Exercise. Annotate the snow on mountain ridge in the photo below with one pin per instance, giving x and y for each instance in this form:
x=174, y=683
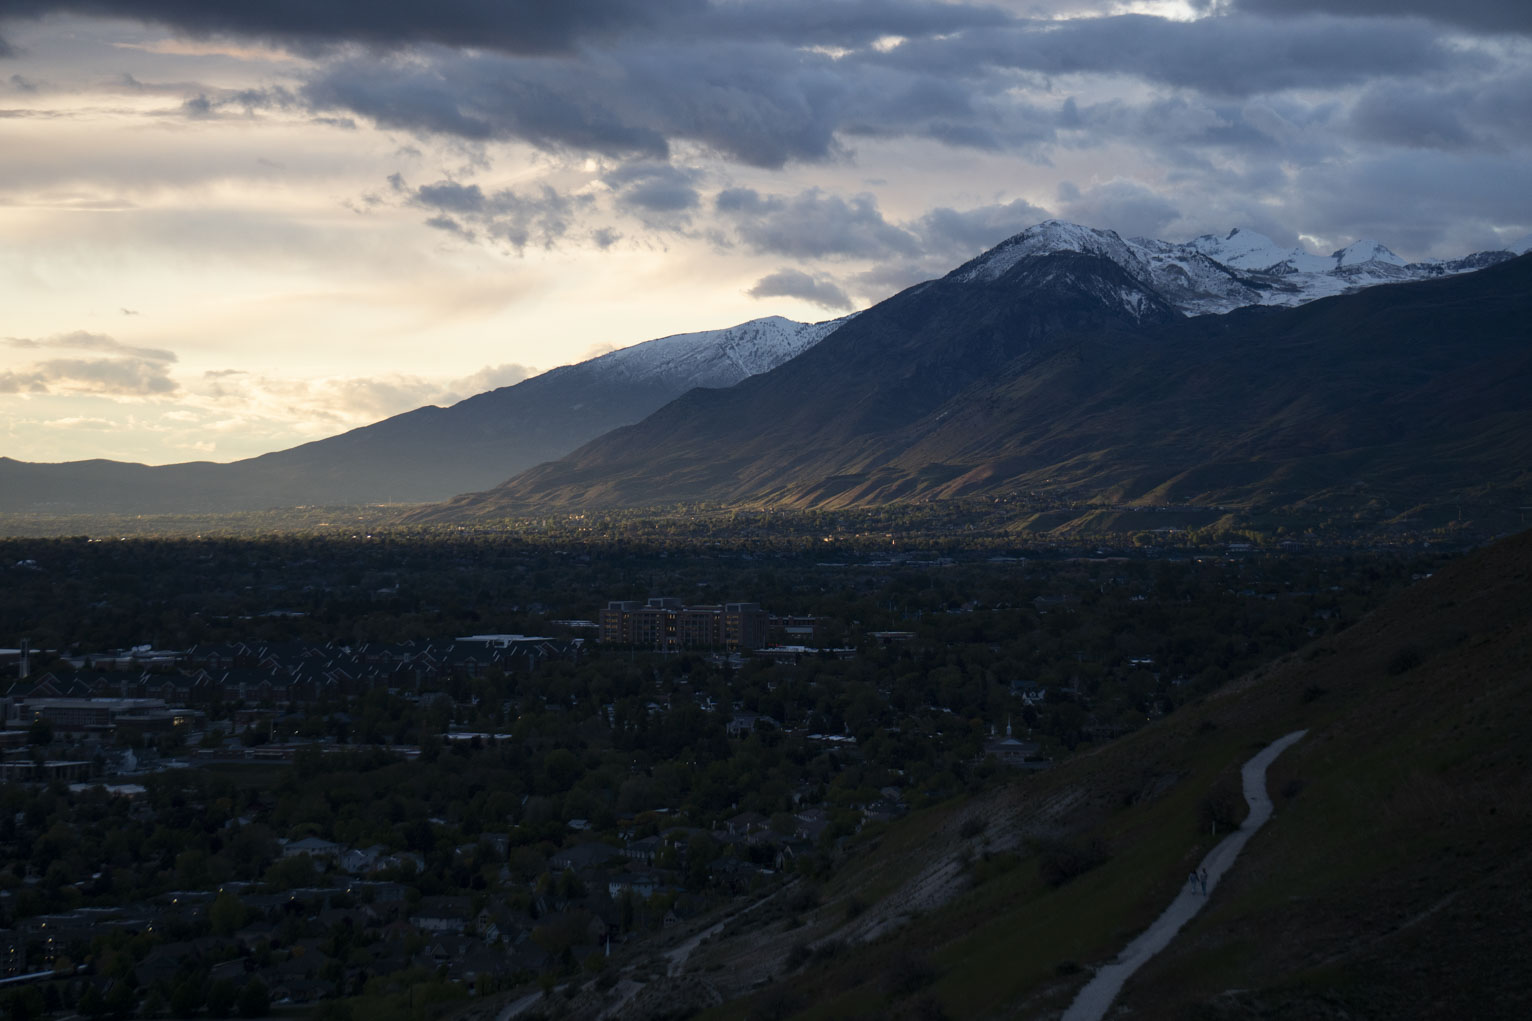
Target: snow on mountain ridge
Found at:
x=1046, y=238
x=1360, y=252
x=713, y=358
x=1212, y=274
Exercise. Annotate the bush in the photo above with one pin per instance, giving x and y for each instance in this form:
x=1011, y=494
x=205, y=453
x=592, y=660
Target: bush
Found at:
x=972, y=827
x=1222, y=808
x=1059, y=861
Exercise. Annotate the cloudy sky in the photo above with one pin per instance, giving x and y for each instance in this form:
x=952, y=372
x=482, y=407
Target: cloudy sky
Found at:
x=228, y=227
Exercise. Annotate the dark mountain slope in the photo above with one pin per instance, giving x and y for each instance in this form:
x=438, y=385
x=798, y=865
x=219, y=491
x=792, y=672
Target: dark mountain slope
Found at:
x=853, y=402
x=1048, y=378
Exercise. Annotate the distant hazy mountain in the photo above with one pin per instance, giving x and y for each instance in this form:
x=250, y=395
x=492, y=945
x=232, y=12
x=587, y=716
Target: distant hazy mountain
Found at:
x=1062, y=361
x=430, y=453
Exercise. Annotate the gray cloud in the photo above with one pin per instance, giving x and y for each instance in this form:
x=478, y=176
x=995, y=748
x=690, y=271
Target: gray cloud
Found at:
x=793, y=283
x=959, y=235
x=815, y=225
x=534, y=28
x=1451, y=200
x=80, y=340
x=844, y=23
x=1490, y=115
x=1236, y=56
x=1477, y=15
x=516, y=219
x=655, y=192
x=1127, y=207
x=1397, y=118
x=123, y=377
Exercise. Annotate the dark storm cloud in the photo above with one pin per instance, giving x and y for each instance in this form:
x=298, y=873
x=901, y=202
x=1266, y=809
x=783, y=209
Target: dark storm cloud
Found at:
x=553, y=105
x=763, y=105
x=793, y=283
x=1219, y=55
x=1477, y=15
x=529, y=26
x=533, y=27
x=515, y=219
x=768, y=104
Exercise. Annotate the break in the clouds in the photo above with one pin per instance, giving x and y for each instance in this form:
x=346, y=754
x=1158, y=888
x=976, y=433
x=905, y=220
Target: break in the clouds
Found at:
x=361, y=204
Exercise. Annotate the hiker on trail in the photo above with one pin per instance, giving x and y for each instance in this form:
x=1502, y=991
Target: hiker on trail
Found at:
x=1203, y=876
x=1192, y=879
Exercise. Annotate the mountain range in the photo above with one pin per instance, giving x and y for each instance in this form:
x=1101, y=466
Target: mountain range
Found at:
x=429, y=453
x=1063, y=362
x=1066, y=358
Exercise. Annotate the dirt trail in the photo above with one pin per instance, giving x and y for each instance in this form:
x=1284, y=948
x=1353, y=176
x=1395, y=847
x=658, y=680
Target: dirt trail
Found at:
x=1093, y=1001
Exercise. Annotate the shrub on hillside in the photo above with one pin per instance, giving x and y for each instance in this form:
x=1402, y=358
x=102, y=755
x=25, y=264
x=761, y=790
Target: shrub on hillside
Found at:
x=1059, y=861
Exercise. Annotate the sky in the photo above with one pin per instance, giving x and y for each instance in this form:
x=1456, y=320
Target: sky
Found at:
x=231, y=227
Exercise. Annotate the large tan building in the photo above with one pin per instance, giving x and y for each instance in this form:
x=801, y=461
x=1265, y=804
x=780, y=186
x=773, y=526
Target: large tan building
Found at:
x=666, y=624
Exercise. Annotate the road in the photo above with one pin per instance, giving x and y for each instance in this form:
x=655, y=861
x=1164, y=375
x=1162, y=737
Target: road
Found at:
x=1094, y=1000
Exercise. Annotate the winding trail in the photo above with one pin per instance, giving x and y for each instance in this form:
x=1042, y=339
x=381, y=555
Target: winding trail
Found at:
x=1092, y=1002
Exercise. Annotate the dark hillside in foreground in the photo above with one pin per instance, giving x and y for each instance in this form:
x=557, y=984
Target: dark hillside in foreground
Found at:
x=1392, y=882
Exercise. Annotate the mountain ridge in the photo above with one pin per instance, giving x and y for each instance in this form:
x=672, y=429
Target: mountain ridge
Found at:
x=985, y=383
x=431, y=452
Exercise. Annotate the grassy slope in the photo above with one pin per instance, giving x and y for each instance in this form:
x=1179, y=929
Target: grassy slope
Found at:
x=1391, y=881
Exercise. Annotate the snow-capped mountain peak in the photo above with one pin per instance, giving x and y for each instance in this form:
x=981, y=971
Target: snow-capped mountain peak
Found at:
x=714, y=358
x=1046, y=238
x=1360, y=252
x=1240, y=249
x=1218, y=273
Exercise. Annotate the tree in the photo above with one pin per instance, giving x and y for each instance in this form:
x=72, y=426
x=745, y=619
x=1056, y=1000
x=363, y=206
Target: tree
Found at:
x=221, y=997
x=227, y=914
x=254, y=999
